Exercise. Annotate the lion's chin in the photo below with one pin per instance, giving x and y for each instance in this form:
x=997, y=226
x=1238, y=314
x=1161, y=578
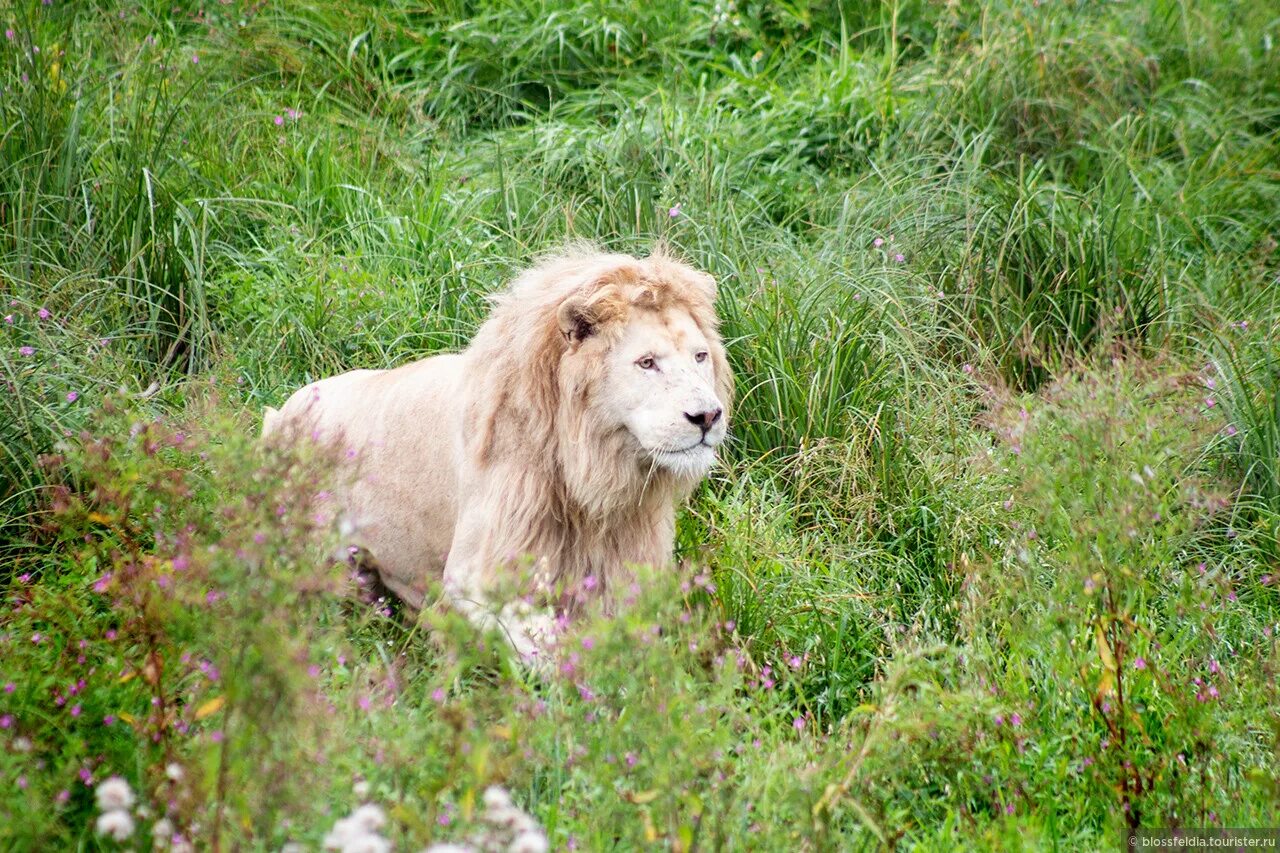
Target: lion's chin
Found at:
x=690, y=464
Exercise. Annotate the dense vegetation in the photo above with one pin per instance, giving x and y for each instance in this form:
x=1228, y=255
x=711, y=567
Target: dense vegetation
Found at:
x=992, y=559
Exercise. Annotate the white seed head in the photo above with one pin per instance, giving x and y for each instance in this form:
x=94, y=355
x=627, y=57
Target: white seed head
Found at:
x=115, y=823
x=114, y=794
x=496, y=798
x=368, y=843
x=369, y=817
x=174, y=771
x=161, y=829
x=529, y=842
x=361, y=789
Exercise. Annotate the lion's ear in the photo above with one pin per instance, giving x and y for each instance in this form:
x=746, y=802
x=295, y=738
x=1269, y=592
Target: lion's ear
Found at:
x=707, y=284
x=574, y=320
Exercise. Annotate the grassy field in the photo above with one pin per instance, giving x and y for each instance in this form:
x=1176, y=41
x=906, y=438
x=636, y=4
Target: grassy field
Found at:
x=992, y=560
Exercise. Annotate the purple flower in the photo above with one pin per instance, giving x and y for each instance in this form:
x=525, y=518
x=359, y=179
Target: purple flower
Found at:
x=27, y=350
x=798, y=724
x=877, y=242
x=1231, y=429
x=6, y=721
x=1015, y=720
x=588, y=643
x=72, y=396
x=675, y=211
x=968, y=368
x=8, y=318
x=9, y=687
x=1210, y=402
x=8, y=34
x=437, y=696
x=631, y=759
x=109, y=720
x=195, y=59
x=43, y=313
x=899, y=258
x=1140, y=663
x=75, y=710
x=37, y=638
x=279, y=120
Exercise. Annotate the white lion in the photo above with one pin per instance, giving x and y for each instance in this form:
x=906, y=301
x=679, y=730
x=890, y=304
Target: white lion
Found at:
x=592, y=399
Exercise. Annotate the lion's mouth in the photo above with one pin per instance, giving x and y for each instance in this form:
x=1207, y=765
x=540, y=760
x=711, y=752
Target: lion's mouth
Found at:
x=691, y=461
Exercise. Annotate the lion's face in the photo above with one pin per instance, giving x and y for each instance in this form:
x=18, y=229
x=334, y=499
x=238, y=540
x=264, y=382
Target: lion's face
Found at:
x=659, y=385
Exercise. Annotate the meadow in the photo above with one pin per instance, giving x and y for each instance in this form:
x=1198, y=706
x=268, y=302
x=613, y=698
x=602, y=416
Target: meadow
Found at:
x=991, y=561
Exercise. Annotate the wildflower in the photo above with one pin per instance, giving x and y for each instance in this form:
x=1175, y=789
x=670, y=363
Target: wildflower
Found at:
x=109, y=720
x=798, y=724
x=63, y=796
x=115, y=823
x=631, y=759
x=589, y=582
x=114, y=793
x=877, y=242
x=437, y=695
x=794, y=661
x=195, y=59
x=6, y=721
x=173, y=770
x=675, y=211
x=899, y=258
x=9, y=687
x=8, y=318
x=279, y=120
x=27, y=350
x=43, y=313
x=293, y=114
x=1015, y=720
x=968, y=368
x=1140, y=663
x=75, y=710
x=37, y=638
x=72, y=396
x=1231, y=430
x=9, y=34
x=1210, y=402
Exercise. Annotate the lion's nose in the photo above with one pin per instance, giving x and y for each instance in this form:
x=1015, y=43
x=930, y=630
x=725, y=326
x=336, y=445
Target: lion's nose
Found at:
x=706, y=419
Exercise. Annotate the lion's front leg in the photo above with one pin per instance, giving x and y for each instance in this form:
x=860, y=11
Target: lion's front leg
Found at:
x=477, y=591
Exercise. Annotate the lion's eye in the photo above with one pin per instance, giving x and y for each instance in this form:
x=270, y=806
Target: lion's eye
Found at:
x=647, y=363
x=701, y=357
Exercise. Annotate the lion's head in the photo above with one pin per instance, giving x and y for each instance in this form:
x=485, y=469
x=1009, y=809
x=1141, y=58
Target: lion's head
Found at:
x=611, y=369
